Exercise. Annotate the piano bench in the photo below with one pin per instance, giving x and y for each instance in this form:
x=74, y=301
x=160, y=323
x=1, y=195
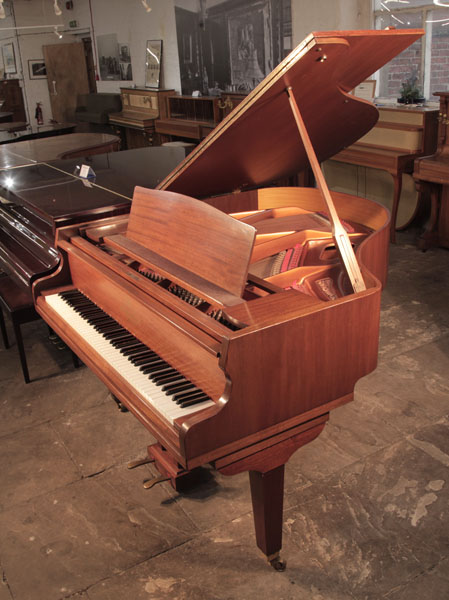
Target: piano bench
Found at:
x=18, y=304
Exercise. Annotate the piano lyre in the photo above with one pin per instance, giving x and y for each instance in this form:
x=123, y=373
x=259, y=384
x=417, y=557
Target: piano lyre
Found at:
x=183, y=310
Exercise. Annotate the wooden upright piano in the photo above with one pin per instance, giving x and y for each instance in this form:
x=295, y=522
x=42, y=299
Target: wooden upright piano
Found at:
x=401, y=134
x=232, y=336
x=432, y=174
x=140, y=108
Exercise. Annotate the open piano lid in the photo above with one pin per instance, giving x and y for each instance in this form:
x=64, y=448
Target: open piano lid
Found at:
x=259, y=142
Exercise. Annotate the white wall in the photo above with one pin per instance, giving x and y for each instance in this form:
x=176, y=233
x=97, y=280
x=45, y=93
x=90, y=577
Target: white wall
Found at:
x=329, y=15
x=134, y=26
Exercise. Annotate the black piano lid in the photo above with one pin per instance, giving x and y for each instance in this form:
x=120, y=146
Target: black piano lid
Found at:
x=120, y=172
x=259, y=143
x=56, y=197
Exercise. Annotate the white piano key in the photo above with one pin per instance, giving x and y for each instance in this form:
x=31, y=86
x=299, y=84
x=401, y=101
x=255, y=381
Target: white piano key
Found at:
x=153, y=395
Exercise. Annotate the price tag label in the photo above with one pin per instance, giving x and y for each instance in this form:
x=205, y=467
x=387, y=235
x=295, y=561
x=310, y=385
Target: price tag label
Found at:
x=84, y=171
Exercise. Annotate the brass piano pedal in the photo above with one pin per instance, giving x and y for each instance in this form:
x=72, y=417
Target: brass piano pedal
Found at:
x=276, y=562
x=149, y=483
x=139, y=462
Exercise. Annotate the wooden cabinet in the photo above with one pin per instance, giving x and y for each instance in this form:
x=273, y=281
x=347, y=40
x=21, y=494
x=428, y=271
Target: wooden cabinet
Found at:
x=189, y=117
x=194, y=117
x=135, y=122
x=11, y=95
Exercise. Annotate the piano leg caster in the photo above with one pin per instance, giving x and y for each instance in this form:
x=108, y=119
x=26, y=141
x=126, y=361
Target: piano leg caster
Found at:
x=276, y=562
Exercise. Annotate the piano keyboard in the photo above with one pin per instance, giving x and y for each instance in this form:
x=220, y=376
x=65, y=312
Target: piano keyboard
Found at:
x=163, y=388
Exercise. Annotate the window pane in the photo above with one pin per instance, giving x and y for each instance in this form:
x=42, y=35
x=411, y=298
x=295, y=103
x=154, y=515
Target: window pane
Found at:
x=407, y=66
x=439, y=62
x=399, y=4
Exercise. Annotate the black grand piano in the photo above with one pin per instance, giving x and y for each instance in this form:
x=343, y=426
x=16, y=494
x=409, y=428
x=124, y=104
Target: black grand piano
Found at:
x=38, y=198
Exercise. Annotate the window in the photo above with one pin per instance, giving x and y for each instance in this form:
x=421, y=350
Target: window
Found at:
x=425, y=63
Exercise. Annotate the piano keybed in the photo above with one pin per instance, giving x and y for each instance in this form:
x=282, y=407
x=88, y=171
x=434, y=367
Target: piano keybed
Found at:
x=164, y=388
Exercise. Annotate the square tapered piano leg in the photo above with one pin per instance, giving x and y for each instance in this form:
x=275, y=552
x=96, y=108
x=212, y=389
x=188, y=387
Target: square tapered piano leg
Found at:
x=265, y=461
x=267, y=495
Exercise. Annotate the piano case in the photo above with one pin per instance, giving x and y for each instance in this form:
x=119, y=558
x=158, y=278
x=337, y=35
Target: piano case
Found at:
x=175, y=313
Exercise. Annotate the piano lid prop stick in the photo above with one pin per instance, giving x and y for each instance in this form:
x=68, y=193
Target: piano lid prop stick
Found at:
x=339, y=233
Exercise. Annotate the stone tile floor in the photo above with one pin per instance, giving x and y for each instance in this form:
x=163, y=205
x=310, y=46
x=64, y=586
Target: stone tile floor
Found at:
x=366, y=504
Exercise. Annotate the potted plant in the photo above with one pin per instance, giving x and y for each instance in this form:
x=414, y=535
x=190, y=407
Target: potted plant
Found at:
x=410, y=93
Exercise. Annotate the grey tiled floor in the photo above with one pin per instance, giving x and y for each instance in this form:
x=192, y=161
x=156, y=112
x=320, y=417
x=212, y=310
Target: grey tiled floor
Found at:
x=366, y=504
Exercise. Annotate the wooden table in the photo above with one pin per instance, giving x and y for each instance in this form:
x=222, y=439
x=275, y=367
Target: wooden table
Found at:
x=71, y=145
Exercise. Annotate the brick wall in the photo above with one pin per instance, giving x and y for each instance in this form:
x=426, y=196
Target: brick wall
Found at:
x=408, y=64
x=439, y=74
x=403, y=67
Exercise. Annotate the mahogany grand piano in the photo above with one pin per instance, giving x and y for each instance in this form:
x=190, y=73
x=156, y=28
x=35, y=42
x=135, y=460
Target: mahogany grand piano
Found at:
x=232, y=336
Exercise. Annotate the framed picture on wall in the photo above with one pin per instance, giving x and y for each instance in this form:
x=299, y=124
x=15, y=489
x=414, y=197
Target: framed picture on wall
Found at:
x=37, y=68
x=153, y=59
x=9, y=58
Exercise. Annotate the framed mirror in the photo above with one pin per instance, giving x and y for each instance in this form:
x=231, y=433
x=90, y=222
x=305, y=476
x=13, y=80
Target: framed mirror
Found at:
x=153, y=58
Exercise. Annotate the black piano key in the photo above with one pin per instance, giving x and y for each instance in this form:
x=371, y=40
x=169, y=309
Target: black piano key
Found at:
x=107, y=327
x=118, y=342
x=133, y=350
x=166, y=378
x=194, y=401
x=181, y=388
x=177, y=386
x=182, y=391
x=141, y=357
x=146, y=358
x=180, y=396
x=161, y=371
x=115, y=335
x=91, y=311
x=127, y=344
x=155, y=367
x=99, y=317
x=150, y=367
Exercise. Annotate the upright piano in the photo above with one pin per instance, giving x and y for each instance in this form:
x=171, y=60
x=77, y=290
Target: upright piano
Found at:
x=228, y=325
x=140, y=108
x=432, y=174
x=401, y=134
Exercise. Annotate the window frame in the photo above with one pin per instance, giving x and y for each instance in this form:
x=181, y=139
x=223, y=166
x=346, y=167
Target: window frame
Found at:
x=429, y=11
